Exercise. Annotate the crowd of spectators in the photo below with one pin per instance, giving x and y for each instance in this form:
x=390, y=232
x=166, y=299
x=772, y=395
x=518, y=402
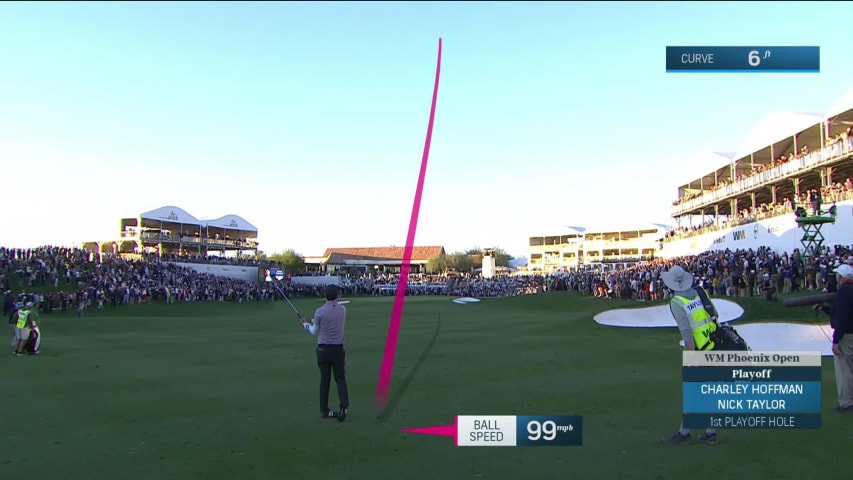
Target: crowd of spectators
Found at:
x=63, y=279
x=734, y=273
x=457, y=285
x=80, y=280
x=211, y=259
x=826, y=196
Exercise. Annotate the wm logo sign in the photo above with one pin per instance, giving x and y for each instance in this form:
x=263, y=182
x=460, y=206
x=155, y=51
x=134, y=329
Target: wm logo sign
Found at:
x=738, y=235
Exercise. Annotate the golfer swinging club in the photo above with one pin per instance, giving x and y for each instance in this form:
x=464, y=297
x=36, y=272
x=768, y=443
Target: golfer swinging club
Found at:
x=697, y=326
x=328, y=325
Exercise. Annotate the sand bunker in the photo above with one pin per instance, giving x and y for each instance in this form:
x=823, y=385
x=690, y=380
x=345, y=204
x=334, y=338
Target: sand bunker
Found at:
x=659, y=316
x=775, y=336
x=787, y=337
x=464, y=300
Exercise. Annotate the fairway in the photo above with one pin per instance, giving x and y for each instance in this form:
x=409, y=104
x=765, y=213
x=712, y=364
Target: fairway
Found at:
x=229, y=391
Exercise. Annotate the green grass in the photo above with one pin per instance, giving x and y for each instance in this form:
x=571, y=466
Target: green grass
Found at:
x=229, y=391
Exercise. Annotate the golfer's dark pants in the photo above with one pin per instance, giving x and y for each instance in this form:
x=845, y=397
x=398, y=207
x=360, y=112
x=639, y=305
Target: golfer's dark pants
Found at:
x=332, y=359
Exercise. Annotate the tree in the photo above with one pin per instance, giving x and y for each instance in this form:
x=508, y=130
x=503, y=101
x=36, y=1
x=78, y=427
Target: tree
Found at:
x=437, y=264
x=457, y=262
x=476, y=255
x=501, y=257
x=461, y=262
x=290, y=260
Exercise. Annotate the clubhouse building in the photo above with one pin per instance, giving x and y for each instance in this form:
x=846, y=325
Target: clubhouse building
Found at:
x=359, y=261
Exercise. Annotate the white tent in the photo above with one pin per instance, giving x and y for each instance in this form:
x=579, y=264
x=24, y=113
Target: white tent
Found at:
x=170, y=214
x=775, y=127
x=704, y=163
x=843, y=104
x=231, y=222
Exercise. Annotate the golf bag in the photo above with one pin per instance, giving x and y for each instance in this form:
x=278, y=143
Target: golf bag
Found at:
x=33, y=341
x=727, y=338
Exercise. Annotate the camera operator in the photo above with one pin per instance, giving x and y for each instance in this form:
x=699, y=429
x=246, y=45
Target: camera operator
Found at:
x=841, y=319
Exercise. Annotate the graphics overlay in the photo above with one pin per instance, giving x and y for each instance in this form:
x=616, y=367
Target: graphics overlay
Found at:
x=743, y=59
x=510, y=430
x=751, y=390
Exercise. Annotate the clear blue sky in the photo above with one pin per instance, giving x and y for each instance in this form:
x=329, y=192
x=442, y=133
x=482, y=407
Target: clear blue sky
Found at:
x=308, y=120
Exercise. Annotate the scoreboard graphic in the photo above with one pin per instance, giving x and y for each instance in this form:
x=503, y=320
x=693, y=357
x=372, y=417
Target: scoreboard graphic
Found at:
x=751, y=390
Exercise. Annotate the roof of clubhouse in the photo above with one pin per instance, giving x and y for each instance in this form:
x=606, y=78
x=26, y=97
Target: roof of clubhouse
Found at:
x=336, y=256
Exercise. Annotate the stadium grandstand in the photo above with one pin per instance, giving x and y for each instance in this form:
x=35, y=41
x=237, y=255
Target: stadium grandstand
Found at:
x=371, y=260
x=172, y=231
x=604, y=249
x=750, y=198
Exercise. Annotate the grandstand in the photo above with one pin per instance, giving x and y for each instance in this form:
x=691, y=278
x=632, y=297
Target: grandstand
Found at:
x=605, y=249
x=749, y=199
x=171, y=230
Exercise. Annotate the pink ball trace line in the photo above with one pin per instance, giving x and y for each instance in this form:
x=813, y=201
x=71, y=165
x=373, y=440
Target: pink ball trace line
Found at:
x=400, y=298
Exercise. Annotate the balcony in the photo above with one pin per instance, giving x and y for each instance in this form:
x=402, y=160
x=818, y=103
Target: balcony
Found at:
x=150, y=238
x=820, y=158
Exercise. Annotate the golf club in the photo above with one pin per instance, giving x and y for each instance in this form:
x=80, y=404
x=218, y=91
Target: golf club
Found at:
x=281, y=292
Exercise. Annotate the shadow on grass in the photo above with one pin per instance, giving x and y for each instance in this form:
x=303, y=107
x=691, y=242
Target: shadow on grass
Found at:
x=398, y=395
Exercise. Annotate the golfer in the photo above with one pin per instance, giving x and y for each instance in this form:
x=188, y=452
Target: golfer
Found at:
x=841, y=320
x=697, y=326
x=328, y=325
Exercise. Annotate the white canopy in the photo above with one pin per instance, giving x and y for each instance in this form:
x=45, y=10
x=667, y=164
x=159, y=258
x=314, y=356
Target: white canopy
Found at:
x=704, y=163
x=231, y=222
x=844, y=104
x=171, y=214
x=615, y=226
x=775, y=127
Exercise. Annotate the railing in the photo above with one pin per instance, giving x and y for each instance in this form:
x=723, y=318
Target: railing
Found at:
x=628, y=259
x=815, y=159
x=190, y=240
x=779, y=211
